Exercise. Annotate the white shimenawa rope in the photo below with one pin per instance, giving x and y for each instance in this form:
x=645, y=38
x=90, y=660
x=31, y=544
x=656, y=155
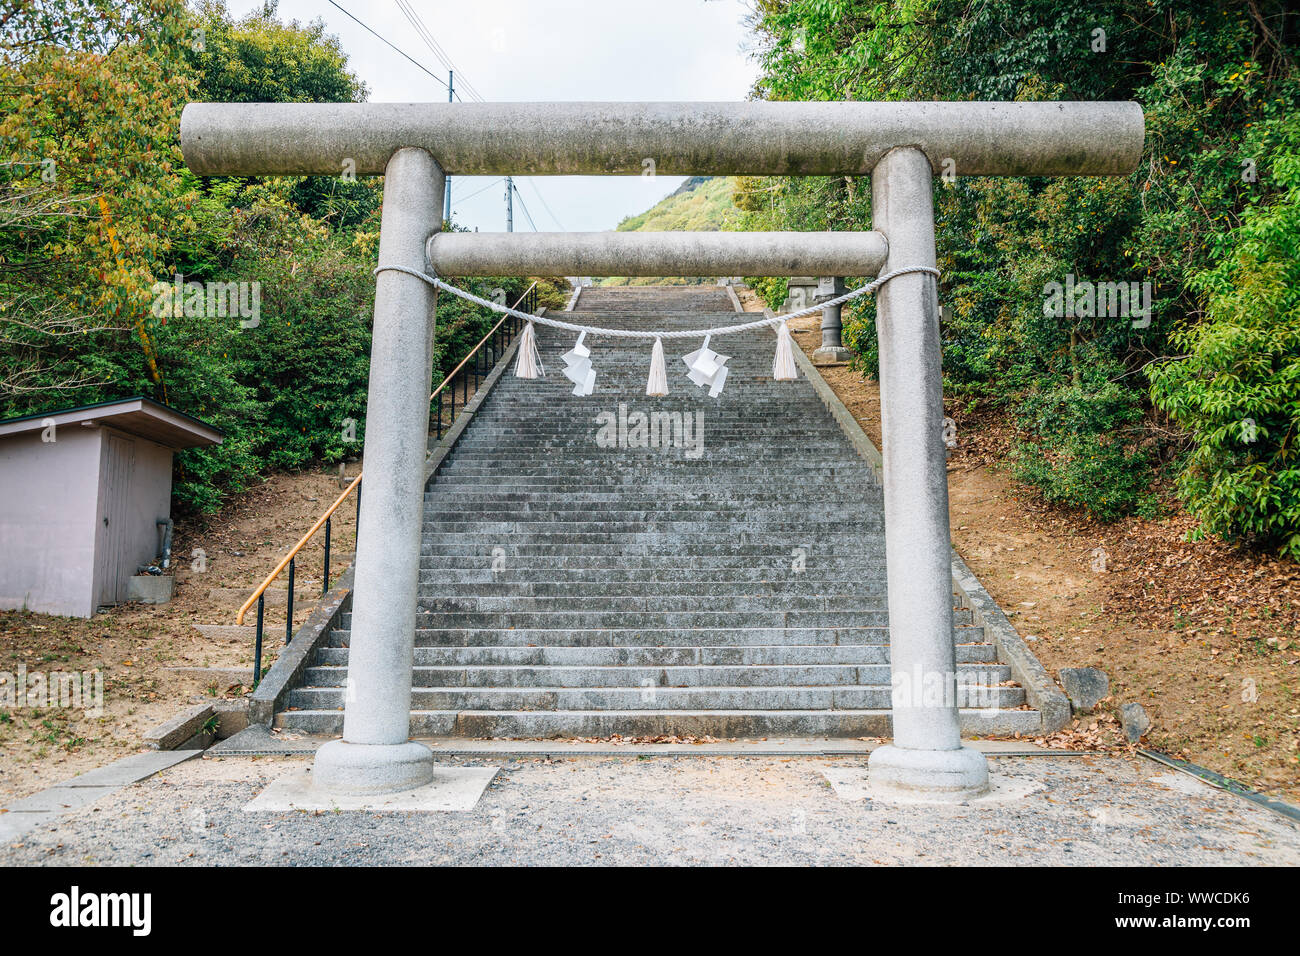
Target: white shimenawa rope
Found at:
x=671, y=334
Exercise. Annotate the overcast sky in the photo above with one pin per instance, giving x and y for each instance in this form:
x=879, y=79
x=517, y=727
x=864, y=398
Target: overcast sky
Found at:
x=554, y=50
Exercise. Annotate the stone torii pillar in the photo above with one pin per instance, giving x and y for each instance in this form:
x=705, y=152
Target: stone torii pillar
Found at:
x=927, y=757
x=376, y=754
x=898, y=144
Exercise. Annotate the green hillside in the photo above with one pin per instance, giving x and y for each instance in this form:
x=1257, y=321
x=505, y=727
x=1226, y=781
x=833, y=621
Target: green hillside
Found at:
x=701, y=204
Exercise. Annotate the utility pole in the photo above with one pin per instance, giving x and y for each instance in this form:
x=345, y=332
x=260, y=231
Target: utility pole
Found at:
x=510, y=204
x=446, y=207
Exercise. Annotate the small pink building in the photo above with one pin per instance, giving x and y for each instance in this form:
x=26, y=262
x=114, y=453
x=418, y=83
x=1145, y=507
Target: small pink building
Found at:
x=83, y=492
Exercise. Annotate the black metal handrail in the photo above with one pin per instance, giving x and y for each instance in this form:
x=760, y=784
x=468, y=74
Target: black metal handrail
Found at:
x=501, y=335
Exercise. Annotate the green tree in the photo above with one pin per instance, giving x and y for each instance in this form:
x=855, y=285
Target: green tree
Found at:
x=91, y=195
x=1237, y=391
x=259, y=59
x=1211, y=77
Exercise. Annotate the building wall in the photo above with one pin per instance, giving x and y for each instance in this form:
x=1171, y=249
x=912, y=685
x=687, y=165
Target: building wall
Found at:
x=54, y=497
x=49, y=496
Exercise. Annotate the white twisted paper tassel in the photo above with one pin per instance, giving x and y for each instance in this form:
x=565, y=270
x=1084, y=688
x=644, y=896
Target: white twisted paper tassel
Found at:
x=529, y=363
x=783, y=367
x=658, y=383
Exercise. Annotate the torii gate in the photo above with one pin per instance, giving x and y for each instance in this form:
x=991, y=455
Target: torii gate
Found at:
x=900, y=145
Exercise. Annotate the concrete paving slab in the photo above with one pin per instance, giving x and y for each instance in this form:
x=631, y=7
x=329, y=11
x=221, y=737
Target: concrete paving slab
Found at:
x=131, y=769
x=14, y=825
x=260, y=740
x=59, y=799
x=454, y=789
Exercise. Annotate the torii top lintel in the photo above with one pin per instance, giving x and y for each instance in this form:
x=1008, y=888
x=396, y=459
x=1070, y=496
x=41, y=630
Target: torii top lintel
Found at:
x=755, y=138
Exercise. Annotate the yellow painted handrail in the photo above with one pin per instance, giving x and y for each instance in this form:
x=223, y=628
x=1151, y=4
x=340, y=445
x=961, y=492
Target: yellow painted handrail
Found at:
x=284, y=562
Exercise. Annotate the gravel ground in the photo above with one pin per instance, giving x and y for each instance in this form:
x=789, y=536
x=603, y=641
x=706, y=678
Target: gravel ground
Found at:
x=677, y=810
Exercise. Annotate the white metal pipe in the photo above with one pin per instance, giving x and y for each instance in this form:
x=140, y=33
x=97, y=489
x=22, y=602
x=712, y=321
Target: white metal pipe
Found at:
x=755, y=138
x=656, y=253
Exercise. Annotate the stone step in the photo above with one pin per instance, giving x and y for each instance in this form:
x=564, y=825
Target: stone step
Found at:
x=716, y=722
x=580, y=620
x=226, y=633
x=651, y=566
x=749, y=544
x=487, y=509
x=669, y=590
x=858, y=635
x=275, y=597
x=656, y=698
x=631, y=675
x=640, y=656
x=730, y=603
x=686, y=531
x=542, y=577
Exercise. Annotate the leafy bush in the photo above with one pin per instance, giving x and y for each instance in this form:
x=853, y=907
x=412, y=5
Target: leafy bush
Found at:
x=1238, y=390
x=1085, y=452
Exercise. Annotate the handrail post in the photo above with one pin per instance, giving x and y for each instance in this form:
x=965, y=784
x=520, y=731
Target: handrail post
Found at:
x=376, y=754
x=288, y=616
x=257, y=645
x=325, y=583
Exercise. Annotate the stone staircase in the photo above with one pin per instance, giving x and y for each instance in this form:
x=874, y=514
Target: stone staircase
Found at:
x=734, y=588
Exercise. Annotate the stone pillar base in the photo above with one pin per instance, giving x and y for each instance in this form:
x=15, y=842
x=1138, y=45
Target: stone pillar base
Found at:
x=927, y=776
x=372, y=768
x=831, y=355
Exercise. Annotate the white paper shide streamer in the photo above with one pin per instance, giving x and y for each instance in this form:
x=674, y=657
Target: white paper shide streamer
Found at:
x=658, y=383
x=529, y=363
x=783, y=367
x=577, y=368
x=707, y=368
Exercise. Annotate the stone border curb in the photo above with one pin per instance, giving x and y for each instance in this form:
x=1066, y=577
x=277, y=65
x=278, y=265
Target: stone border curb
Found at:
x=185, y=730
x=1217, y=780
x=1040, y=690
x=274, y=688
x=735, y=299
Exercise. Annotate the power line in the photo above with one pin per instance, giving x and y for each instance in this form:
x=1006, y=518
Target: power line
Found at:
x=546, y=205
x=477, y=191
x=445, y=59
x=443, y=56
x=390, y=45
x=524, y=206
x=416, y=21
